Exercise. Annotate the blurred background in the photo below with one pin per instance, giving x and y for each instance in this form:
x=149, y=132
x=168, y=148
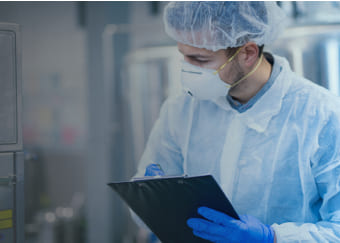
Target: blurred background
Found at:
x=94, y=75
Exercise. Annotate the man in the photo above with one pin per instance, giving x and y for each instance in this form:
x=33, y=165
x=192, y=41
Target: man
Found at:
x=270, y=138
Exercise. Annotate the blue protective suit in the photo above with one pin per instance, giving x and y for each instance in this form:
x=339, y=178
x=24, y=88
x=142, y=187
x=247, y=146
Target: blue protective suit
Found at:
x=278, y=161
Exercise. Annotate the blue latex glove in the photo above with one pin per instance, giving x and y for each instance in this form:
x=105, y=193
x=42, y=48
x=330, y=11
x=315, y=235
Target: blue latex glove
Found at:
x=153, y=170
x=220, y=227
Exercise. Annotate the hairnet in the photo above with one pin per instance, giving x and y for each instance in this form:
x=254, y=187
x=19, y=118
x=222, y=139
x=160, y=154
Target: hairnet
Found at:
x=219, y=25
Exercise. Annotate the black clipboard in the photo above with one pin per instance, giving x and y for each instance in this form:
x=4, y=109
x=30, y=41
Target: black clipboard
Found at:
x=166, y=203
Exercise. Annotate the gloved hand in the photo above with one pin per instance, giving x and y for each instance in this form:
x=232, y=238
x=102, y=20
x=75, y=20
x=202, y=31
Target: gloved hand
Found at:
x=154, y=170
x=220, y=227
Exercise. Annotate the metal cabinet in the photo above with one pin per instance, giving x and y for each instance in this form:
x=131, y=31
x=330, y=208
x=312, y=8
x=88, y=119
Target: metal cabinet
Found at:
x=11, y=156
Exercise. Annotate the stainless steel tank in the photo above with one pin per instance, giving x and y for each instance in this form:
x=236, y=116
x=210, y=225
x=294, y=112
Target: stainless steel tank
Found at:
x=313, y=52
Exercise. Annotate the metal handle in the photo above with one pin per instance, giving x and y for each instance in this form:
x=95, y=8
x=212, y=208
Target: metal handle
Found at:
x=7, y=181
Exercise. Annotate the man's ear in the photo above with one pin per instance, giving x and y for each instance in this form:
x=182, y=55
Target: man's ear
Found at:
x=249, y=55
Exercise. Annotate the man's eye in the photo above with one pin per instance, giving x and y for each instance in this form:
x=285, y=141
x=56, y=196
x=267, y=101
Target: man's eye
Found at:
x=202, y=61
x=197, y=61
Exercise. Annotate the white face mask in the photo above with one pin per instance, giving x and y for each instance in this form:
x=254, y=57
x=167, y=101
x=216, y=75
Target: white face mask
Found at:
x=202, y=83
x=205, y=84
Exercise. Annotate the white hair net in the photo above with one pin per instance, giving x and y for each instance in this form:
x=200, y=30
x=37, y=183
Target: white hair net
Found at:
x=219, y=25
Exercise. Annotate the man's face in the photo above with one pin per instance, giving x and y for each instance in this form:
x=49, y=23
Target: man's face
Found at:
x=212, y=60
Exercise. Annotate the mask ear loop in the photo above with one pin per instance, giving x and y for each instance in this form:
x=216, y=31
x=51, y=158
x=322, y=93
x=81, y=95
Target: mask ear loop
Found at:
x=250, y=73
x=229, y=60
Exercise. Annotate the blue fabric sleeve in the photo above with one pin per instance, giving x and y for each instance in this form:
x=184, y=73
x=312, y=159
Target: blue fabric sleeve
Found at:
x=325, y=165
x=162, y=147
